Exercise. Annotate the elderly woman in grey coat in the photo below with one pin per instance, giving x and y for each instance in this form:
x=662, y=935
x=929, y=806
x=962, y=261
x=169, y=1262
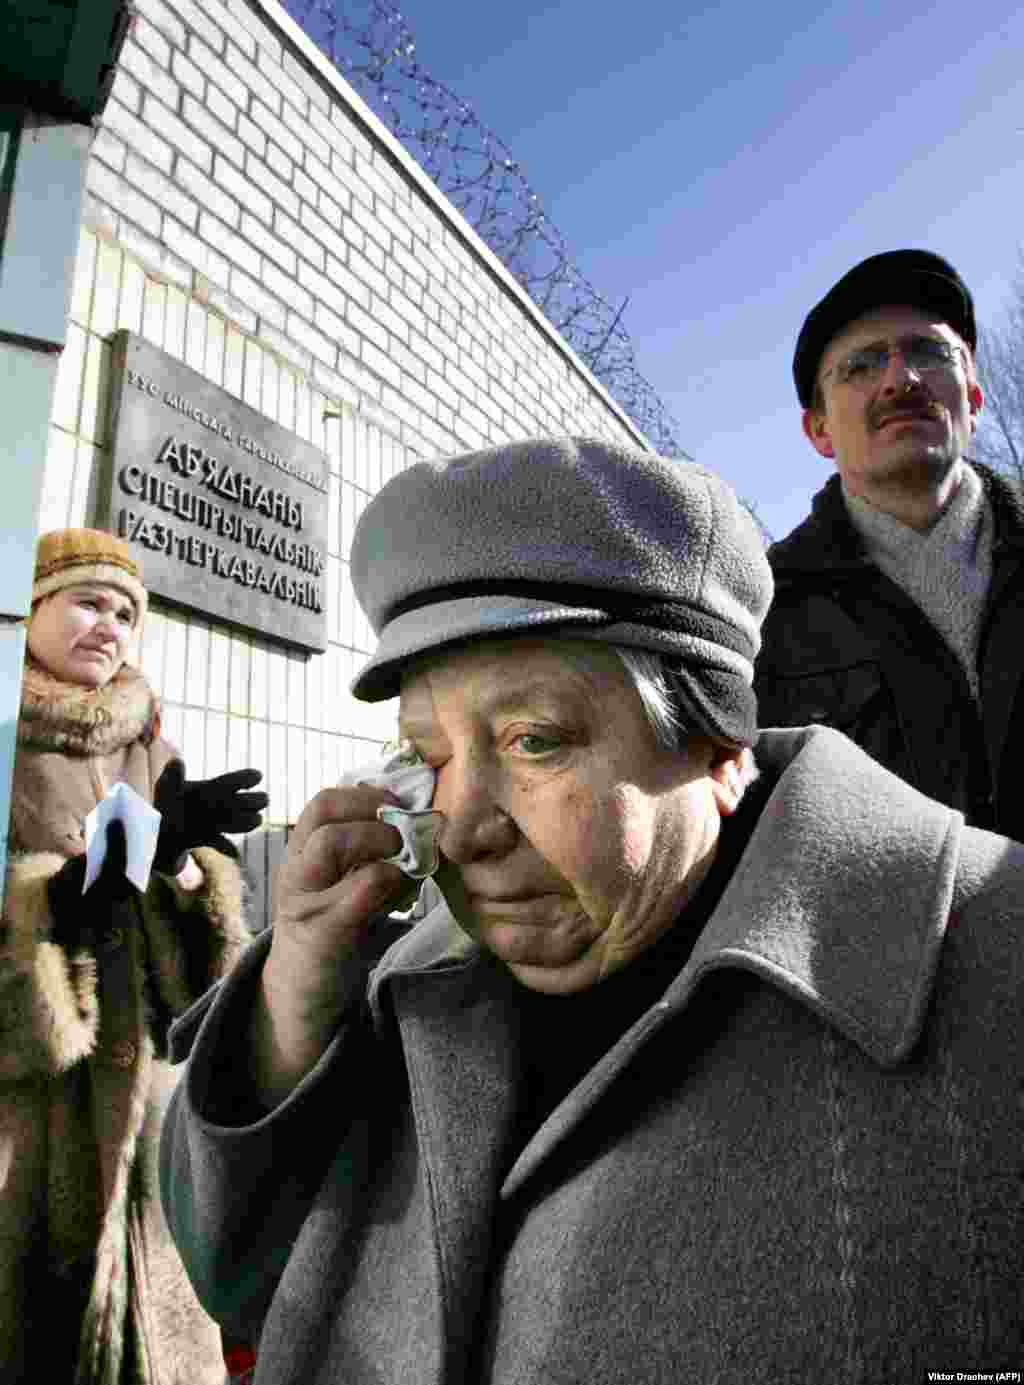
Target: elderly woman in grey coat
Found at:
x=690, y=1074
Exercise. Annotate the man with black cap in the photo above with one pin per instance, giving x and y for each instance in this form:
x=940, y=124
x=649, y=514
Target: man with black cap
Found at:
x=899, y=600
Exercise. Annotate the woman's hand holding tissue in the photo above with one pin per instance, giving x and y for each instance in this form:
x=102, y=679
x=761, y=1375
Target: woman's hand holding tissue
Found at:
x=335, y=880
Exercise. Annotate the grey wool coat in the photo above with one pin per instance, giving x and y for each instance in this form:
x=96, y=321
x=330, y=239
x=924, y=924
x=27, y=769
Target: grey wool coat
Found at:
x=91, y=1287
x=803, y=1163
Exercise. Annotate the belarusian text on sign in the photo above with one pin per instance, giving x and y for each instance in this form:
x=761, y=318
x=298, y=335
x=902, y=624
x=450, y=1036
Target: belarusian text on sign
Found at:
x=226, y=510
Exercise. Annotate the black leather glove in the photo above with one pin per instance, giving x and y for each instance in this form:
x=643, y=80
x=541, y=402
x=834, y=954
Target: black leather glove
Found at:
x=70, y=910
x=197, y=812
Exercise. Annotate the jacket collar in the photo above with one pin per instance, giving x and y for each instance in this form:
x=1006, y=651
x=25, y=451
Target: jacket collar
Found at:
x=862, y=956
x=827, y=539
x=1007, y=507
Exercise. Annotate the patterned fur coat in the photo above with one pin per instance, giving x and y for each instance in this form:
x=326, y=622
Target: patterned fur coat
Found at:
x=91, y=1289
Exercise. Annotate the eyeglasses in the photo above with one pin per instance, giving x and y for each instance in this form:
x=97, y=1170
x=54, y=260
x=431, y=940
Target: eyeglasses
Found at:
x=868, y=364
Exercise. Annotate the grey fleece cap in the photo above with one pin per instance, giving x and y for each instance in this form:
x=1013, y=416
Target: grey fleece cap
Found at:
x=573, y=536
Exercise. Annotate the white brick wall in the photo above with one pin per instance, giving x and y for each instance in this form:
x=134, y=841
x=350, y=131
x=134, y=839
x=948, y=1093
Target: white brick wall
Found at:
x=318, y=226
x=247, y=214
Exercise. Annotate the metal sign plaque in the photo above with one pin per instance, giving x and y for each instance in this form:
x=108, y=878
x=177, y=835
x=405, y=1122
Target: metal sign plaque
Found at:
x=225, y=510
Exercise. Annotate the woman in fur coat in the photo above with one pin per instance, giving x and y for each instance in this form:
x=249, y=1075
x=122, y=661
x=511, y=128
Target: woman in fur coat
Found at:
x=91, y=1289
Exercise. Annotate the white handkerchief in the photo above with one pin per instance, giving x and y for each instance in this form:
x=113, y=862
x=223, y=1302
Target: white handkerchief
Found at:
x=403, y=772
x=141, y=828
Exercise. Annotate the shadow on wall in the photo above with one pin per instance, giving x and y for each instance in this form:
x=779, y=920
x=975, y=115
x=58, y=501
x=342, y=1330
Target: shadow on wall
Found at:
x=261, y=854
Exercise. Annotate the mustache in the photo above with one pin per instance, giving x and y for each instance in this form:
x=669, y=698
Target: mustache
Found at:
x=915, y=401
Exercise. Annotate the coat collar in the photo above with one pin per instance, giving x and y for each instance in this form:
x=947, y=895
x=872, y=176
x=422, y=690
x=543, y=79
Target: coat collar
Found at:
x=75, y=720
x=825, y=539
x=841, y=899
x=862, y=954
x=1007, y=507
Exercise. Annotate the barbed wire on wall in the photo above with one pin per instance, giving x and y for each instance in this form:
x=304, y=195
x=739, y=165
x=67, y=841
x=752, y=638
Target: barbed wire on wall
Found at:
x=371, y=44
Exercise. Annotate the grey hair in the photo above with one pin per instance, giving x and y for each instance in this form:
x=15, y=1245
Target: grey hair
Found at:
x=647, y=673
x=651, y=676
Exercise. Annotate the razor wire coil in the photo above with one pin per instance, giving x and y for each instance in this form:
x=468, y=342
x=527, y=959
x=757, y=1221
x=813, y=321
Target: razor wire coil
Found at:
x=373, y=47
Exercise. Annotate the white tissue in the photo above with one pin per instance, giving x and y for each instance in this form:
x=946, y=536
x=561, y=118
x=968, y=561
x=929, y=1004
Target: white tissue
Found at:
x=401, y=770
x=141, y=829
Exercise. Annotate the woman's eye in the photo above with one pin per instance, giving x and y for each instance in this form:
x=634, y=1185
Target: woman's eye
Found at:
x=532, y=743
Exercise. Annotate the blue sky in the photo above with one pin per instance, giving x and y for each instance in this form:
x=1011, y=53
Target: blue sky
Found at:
x=722, y=165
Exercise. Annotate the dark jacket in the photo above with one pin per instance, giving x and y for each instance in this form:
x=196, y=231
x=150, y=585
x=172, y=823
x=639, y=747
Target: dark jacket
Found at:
x=801, y=1163
x=843, y=645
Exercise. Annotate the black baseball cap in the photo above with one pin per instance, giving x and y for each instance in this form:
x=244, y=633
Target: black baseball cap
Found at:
x=916, y=278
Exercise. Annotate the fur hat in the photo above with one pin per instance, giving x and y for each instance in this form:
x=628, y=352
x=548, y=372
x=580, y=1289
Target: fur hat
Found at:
x=68, y=557
x=572, y=536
